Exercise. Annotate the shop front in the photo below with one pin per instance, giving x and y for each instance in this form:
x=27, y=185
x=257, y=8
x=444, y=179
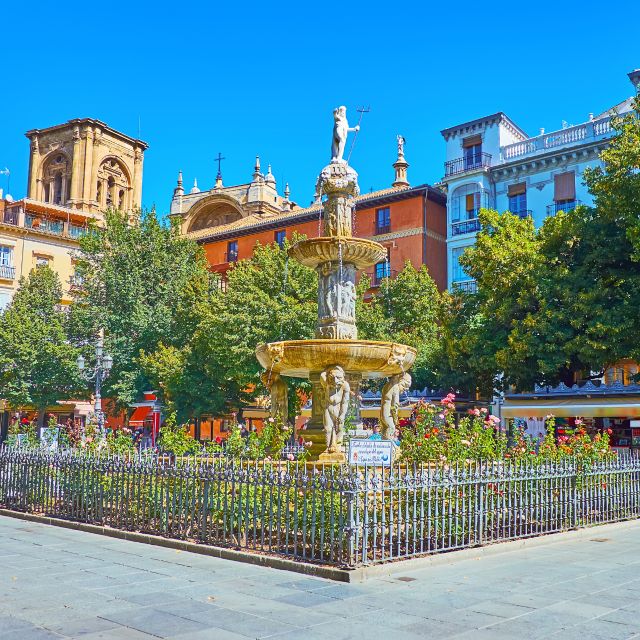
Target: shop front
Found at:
x=600, y=407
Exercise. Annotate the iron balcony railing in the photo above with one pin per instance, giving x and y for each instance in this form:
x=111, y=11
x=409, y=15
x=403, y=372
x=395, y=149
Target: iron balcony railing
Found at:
x=465, y=226
x=377, y=277
x=467, y=163
x=333, y=515
x=465, y=286
x=43, y=224
x=523, y=213
x=382, y=229
x=7, y=272
x=555, y=207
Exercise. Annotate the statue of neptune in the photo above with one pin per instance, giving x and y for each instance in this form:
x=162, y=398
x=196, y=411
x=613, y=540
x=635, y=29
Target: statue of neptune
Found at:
x=340, y=130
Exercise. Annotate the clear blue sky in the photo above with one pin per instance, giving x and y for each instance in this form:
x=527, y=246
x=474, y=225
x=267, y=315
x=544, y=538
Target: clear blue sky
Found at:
x=262, y=78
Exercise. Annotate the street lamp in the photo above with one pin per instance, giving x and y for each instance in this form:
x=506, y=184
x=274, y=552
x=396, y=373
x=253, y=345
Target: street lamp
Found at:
x=103, y=365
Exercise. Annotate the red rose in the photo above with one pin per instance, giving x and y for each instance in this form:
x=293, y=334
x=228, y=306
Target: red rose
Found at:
x=218, y=439
x=427, y=435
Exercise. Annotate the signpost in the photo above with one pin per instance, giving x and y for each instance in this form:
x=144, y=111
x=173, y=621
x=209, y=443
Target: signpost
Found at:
x=378, y=453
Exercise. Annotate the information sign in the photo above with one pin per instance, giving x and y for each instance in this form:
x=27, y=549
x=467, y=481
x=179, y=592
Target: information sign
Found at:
x=377, y=453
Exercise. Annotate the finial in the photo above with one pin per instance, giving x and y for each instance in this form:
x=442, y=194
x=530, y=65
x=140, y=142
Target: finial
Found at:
x=270, y=178
x=195, y=188
x=178, y=191
x=287, y=191
x=400, y=165
x=257, y=176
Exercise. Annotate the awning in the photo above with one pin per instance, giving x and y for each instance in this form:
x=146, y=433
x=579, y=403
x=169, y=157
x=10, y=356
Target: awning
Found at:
x=627, y=407
x=140, y=416
x=255, y=413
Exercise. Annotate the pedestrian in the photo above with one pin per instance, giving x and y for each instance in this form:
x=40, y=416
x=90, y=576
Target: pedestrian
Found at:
x=376, y=433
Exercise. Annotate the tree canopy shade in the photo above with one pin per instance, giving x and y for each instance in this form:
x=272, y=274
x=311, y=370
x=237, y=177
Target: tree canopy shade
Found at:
x=147, y=286
x=37, y=362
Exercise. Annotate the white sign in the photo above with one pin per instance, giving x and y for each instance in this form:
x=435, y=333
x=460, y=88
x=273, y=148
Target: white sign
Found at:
x=374, y=452
x=49, y=437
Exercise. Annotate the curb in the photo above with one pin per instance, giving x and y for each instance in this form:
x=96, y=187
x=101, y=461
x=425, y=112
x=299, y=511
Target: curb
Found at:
x=359, y=574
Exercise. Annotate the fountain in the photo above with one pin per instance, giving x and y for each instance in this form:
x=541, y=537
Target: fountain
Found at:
x=336, y=362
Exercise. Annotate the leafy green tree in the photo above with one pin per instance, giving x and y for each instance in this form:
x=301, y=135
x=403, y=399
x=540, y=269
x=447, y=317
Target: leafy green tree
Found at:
x=147, y=286
x=37, y=362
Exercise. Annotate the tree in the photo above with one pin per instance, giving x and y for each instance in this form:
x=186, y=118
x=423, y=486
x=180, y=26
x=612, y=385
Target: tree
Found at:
x=147, y=286
x=37, y=362
x=405, y=309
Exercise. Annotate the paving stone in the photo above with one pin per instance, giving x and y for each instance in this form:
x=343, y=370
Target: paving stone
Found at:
x=154, y=622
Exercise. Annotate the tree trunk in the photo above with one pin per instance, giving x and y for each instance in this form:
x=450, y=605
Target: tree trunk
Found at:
x=42, y=412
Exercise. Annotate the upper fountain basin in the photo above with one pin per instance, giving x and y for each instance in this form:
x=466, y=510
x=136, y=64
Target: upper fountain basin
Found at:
x=358, y=251
x=372, y=359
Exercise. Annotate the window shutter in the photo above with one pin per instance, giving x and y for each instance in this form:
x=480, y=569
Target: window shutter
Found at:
x=517, y=189
x=565, y=186
x=472, y=141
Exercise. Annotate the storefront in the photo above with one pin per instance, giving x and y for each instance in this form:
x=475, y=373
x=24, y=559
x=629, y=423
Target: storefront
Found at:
x=600, y=406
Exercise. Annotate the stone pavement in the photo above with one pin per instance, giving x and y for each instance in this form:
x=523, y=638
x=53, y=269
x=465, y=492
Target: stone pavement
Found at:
x=61, y=583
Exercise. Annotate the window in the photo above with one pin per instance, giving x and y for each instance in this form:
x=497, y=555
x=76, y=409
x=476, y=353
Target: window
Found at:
x=57, y=189
x=517, y=194
x=281, y=236
x=232, y=251
x=466, y=202
x=42, y=261
x=5, y=299
x=383, y=220
x=472, y=205
x=99, y=192
x=472, y=149
x=110, y=188
x=457, y=271
x=383, y=270
x=6, y=256
x=121, y=200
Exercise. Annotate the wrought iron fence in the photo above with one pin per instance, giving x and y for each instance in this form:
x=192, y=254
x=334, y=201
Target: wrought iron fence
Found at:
x=332, y=515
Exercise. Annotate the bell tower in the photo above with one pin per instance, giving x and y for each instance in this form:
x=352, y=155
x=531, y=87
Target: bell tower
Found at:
x=85, y=165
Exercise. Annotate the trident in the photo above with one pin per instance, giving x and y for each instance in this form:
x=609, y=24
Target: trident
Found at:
x=361, y=111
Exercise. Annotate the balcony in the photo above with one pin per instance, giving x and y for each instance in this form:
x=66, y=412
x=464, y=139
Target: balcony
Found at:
x=10, y=216
x=377, y=278
x=465, y=226
x=523, y=213
x=567, y=137
x=37, y=223
x=467, y=163
x=7, y=272
x=382, y=229
x=466, y=286
x=76, y=281
x=552, y=209
x=77, y=231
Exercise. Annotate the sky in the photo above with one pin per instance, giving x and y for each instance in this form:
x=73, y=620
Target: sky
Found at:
x=246, y=79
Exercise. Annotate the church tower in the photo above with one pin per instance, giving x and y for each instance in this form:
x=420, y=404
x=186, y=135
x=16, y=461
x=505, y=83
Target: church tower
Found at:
x=85, y=165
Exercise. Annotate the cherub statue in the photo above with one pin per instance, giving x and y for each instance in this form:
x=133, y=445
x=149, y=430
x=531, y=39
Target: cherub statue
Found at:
x=340, y=130
x=336, y=404
x=279, y=395
x=390, y=400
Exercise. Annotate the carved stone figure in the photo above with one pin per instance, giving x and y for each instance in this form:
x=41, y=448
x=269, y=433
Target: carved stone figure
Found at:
x=340, y=130
x=348, y=299
x=336, y=405
x=401, y=142
x=279, y=395
x=390, y=400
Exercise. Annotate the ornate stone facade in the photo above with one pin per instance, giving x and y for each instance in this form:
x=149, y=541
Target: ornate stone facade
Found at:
x=85, y=165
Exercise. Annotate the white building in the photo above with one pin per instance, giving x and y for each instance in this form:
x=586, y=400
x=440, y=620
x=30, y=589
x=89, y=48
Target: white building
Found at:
x=492, y=163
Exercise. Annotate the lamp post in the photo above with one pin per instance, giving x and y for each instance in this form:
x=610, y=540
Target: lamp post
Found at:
x=103, y=365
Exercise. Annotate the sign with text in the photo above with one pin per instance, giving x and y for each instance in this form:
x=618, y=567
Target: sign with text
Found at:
x=373, y=452
x=49, y=437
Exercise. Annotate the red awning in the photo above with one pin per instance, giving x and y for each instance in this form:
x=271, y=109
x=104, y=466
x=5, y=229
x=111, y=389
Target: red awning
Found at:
x=140, y=416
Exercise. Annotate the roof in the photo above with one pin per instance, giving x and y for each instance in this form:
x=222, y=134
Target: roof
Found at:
x=620, y=108
x=47, y=207
x=500, y=116
x=92, y=121
x=363, y=201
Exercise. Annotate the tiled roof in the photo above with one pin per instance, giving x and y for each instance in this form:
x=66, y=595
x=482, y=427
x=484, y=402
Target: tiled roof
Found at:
x=287, y=217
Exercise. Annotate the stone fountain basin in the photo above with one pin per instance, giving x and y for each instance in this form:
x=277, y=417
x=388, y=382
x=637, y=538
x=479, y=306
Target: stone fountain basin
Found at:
x=300, y=358
x=359, y=251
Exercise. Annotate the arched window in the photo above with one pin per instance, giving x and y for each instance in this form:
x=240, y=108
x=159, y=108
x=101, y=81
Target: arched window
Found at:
x=121, y=200
x=46, y=192
x=99, y=192
x=57, y=189
x=115, y=178
x=466, y=202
